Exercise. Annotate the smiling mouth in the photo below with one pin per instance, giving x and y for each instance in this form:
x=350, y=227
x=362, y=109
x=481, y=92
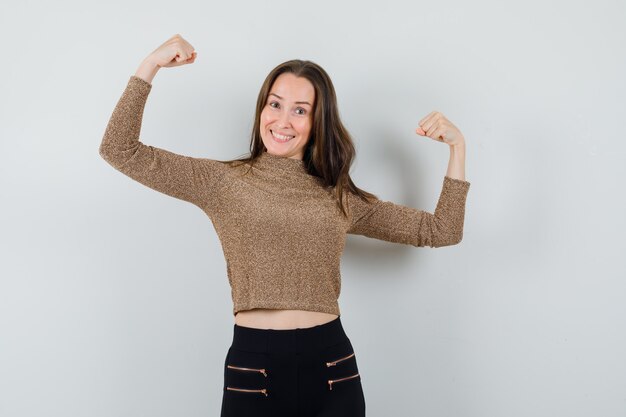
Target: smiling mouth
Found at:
x=281, y=138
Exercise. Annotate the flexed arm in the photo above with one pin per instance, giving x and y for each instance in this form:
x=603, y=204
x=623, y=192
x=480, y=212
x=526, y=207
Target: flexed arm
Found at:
x=183, y=177
x=396, y=223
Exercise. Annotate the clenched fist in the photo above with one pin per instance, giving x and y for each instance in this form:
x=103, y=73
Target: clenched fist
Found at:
x=436, y=126
x=173, y=52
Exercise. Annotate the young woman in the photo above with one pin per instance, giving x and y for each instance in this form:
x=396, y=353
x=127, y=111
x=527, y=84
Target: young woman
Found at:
x=282, y=214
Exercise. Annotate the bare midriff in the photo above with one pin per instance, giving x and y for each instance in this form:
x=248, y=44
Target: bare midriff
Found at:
x=261, y=318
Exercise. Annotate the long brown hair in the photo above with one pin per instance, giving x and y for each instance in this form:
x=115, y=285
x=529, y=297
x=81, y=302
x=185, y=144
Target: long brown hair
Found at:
x=330, y=151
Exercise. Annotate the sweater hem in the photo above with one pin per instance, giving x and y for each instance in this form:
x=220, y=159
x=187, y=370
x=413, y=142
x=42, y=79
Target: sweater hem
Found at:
x=276, y=305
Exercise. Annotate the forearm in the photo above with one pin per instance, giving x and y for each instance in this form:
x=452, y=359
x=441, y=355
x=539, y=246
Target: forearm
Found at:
x=456, y=164
x=121, y=136
x=147, y=70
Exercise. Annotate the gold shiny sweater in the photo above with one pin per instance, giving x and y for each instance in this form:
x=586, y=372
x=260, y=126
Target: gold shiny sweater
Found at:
x=281, y=230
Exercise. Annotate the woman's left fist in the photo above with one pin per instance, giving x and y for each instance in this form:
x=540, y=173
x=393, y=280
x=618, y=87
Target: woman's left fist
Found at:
x=437, y=127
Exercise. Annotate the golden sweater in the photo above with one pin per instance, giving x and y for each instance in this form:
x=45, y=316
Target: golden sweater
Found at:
x=281, y=230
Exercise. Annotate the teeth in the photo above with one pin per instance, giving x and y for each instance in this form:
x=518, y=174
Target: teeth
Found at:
x=281, y=136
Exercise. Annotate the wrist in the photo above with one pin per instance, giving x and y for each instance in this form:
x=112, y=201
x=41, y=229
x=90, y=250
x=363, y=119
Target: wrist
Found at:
x=150, y=62
x=147, y=70
x=459, y=147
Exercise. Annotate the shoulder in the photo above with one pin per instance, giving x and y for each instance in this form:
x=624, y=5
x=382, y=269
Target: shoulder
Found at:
x=359, y=204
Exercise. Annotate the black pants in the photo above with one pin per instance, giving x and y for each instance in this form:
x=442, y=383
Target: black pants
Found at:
x=304, y=372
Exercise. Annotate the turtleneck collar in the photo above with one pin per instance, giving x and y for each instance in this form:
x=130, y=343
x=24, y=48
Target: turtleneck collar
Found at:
x=290, y=173
x=268, y=161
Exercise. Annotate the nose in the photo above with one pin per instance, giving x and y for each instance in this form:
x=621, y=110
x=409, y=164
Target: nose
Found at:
x=283, y=119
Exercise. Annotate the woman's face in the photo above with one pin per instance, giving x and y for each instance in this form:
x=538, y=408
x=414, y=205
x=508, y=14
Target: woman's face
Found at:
x=288, y=112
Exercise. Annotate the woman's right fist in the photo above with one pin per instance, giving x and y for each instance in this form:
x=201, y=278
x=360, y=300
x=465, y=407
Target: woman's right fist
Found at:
x=174, y=52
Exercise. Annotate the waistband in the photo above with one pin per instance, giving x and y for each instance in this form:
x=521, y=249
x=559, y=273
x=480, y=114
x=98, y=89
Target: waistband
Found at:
x=289, y=340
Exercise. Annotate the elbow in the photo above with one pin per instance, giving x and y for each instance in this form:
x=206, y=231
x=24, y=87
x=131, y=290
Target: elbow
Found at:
x=457, y=238
x=437, y=232
x=450, y=239
x=102, y=151
x=109, y=154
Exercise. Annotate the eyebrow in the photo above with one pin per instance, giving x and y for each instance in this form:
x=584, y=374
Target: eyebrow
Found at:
x=297, y=102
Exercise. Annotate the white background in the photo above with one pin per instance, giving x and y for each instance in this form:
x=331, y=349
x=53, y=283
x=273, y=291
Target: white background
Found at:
x=114, y=299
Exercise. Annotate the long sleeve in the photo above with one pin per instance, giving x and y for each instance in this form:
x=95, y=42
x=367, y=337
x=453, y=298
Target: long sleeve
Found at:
x=396, y=223
x=182, y=177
